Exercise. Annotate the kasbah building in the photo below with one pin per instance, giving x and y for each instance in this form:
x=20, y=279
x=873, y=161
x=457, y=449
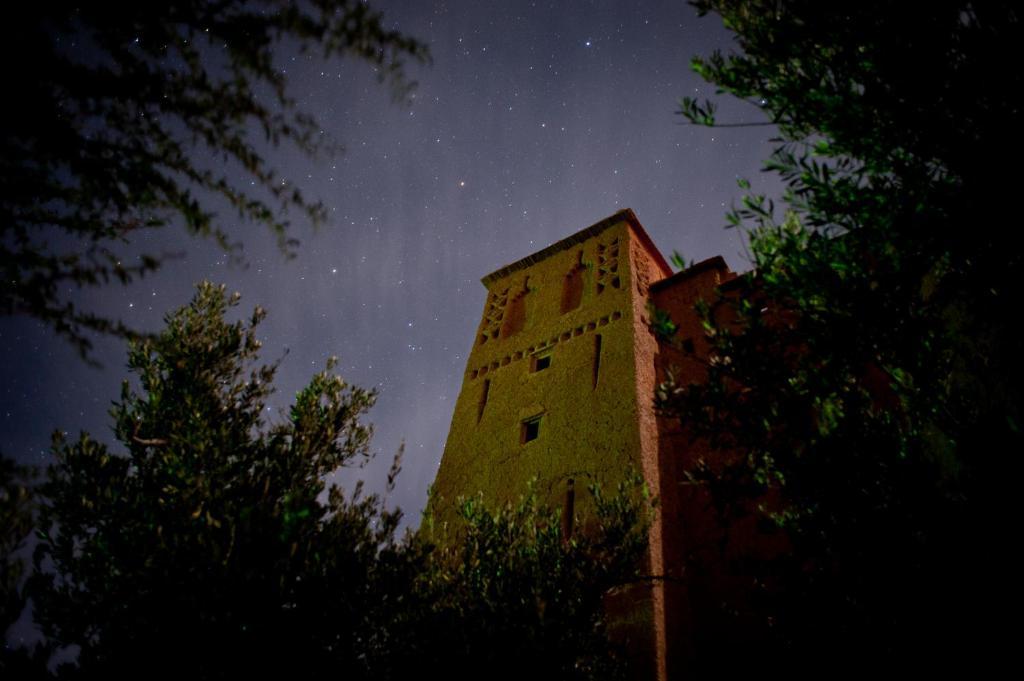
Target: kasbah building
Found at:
x=559, y=387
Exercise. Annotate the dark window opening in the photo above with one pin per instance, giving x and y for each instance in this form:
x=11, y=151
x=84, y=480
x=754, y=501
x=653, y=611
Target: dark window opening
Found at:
x=541, y=363
x=568, y=510
x=483, y=398
x=597, y=357
x=530, y=430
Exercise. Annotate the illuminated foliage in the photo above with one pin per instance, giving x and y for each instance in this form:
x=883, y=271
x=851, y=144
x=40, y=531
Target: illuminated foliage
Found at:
x=515, y=594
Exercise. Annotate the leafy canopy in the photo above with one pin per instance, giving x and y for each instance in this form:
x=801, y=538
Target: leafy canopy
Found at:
x=517, y=592
x=863, y=381
x=212, y=546
x=214, y=533
x=132, y=116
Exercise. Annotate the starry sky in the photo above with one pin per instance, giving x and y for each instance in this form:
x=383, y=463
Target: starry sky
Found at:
x=533, y=121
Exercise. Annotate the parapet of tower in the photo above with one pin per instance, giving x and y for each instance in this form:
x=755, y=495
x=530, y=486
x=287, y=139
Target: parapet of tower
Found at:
x=560, y=381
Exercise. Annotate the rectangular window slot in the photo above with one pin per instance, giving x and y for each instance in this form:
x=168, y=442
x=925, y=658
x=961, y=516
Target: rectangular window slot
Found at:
x=597, y=358
x=568, y=510
x=530, y=430
x=540, y=363
x=483, y=399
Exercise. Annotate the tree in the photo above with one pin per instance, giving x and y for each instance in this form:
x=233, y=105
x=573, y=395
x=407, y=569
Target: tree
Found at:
x=516, y=595
x=16, y=523
x=212, y=547
x=117, y=108
x=862, y=387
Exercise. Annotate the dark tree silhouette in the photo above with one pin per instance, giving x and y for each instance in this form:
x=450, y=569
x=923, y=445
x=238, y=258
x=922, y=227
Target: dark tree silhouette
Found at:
x=112, y=106
x=210, y=535
x=16, y=523
x=211, y=545
x=864, y=388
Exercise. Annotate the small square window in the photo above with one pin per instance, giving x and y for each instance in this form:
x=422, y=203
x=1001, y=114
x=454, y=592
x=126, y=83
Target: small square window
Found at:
x=540, y=362
x=530, y=430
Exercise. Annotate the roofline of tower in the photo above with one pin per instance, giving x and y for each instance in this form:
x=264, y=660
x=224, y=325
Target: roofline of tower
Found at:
x=625, y=215
x=713, y=263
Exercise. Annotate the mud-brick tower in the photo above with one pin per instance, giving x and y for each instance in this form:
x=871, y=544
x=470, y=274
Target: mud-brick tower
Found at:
x=560, y=381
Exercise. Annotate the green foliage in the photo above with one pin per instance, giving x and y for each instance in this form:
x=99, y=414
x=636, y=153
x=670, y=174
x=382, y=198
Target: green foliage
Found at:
x=117, y=106
x=212, y=547
x=213, y=533
x=662, y=325
x=864, y=383
x=697, y=112
x=678, y=261
x=514, y=594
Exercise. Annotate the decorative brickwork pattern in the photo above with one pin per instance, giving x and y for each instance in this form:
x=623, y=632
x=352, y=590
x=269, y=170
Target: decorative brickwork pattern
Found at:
x=554, y=340
x=493, y=315
x=608, y=265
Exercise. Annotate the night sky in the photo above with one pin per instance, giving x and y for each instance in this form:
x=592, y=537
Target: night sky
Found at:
x=534, y=120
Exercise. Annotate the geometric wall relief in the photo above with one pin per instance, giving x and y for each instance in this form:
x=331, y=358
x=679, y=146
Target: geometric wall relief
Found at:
x=608, y=265
x=643, y=274
x=526, y=353
x=493, y=314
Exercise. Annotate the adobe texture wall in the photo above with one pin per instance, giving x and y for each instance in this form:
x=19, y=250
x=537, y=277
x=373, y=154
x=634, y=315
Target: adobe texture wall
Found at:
x=559, y=385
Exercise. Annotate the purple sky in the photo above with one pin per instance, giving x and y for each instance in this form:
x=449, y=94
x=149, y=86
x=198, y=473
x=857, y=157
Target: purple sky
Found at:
x=534, y=121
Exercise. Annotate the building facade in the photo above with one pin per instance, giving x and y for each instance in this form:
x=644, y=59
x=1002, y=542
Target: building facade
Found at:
x=559, y=386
